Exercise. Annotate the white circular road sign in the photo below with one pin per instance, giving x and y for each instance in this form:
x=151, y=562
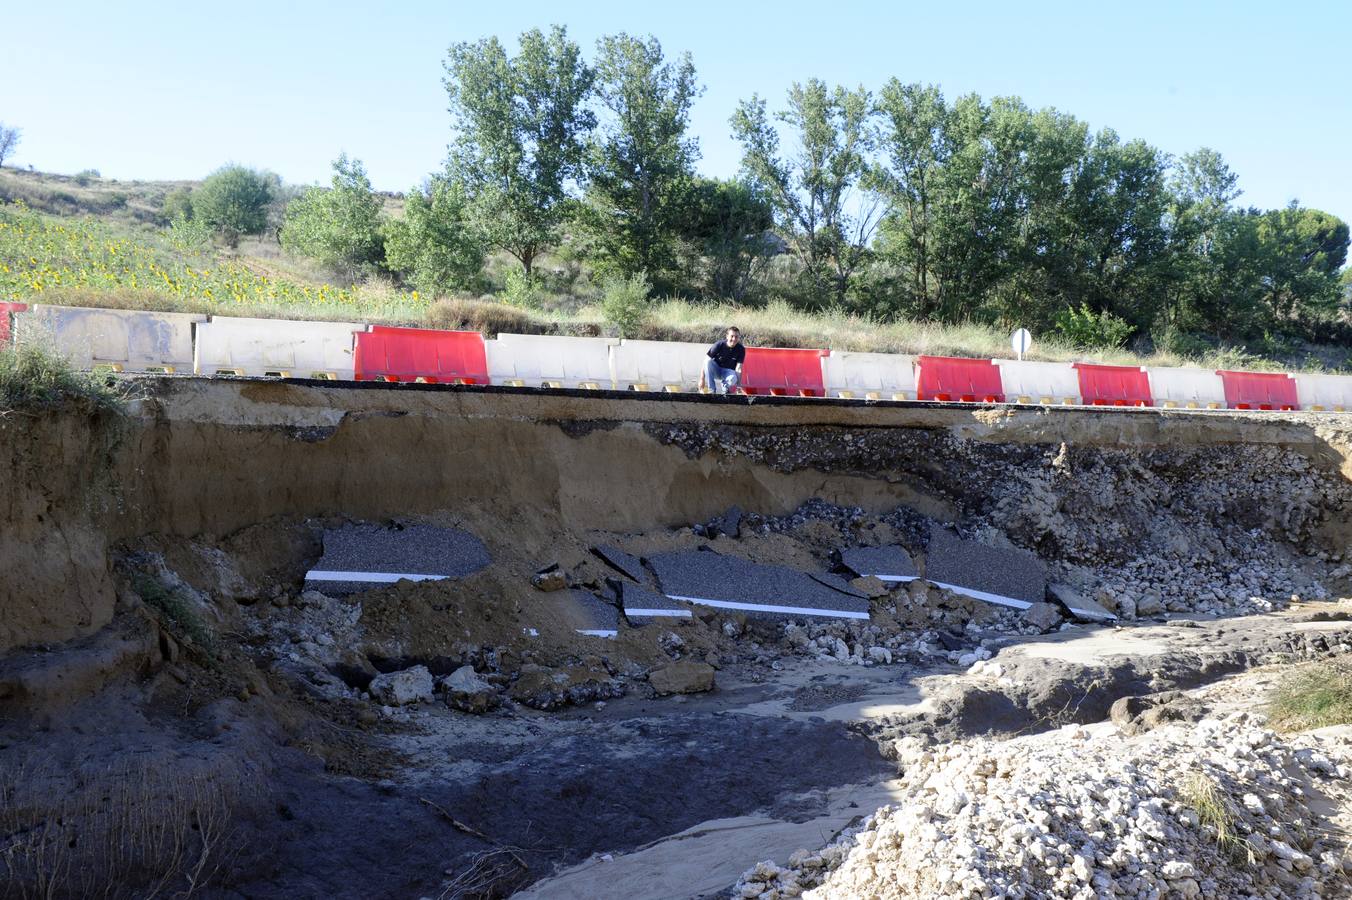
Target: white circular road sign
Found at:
x=1021, y=340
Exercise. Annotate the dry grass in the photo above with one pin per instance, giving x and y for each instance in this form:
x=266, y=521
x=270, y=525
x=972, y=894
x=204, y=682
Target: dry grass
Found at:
x=1313, y=697
x=32, y=379
x=133, y=830
x=1204, y=796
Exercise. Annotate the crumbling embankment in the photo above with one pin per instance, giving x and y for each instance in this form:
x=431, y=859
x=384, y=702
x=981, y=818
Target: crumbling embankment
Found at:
x=210, y=458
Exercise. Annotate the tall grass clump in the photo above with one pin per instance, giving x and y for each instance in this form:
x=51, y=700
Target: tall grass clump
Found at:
x=1313, y=697
x=33, y=378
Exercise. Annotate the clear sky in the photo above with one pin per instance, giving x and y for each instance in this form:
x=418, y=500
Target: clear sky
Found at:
x=172, y=90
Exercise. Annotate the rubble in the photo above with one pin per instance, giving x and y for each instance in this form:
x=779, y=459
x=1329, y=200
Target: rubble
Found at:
x=413, y=685
x=467, y=692
x=1216, y=809
x=683, y=677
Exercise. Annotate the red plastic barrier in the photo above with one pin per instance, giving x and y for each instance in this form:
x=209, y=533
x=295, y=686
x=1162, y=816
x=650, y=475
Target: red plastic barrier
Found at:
x=948, y=378
x=1258, y=390
x=8, y=309
x=783, y=372
x=1114, y=385
x=411, y=354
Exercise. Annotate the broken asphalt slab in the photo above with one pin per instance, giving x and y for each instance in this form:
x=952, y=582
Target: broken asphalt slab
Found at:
x=726, y=582
x=624, y=563
x=890, y=563
x=360, y=557
x=642, y=606
x=1004, y=576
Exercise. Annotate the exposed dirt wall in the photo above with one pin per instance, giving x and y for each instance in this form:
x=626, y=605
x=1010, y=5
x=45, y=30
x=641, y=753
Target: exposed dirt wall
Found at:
x=207, y=458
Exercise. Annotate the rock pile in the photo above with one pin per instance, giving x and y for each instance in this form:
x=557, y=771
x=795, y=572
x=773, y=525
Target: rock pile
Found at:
x=1220, y=809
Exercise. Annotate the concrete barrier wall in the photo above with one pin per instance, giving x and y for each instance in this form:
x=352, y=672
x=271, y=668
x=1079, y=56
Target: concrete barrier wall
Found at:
x=657, y=365
x=872, y=376
x=281, y=347
x=126, y=340
x=1324, y=393
x=536, y=360
x=1038, y=382
x=1186, y=388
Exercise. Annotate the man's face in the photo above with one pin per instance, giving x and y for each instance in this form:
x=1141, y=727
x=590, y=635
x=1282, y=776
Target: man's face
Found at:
x=731, y=338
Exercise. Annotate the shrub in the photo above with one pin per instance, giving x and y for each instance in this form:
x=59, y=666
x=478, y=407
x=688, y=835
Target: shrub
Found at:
x=32, y=378
x=339, y=226
x=1089, y=330
x=433, y=245
x=177, y=608
x=177, y=205
x=625, y=303
x=84, y=176
x=521, y=289
x=234, y=200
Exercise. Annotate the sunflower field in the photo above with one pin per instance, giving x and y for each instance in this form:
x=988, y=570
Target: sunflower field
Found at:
x=45, y=259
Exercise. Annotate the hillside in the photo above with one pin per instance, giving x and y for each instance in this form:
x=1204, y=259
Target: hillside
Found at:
x=90, y=241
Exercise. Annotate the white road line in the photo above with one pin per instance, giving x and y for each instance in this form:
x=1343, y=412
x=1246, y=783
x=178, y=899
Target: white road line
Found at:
x=998, y=599
x=681, y=613
x=383, y=577
x=766, y=607
x=598, y=632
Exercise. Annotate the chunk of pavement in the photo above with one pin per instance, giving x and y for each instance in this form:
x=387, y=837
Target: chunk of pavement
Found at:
x=642, y=606
x=888, y=563
x=727, y=582
x=624, y=563
x=467, y=692
x=550, y=578
x=1043, y=616
x=591, y=614
x=402, y=688
x=362, y=556
x=541, y=687
x=1078, y=605
x=1005, y=576
x=870, y=586
x=685, y=676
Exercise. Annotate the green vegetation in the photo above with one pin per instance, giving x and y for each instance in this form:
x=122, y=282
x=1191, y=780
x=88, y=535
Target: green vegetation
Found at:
x=625, y=305
x=234, y=201
x=32, y=378
x=1313, y=697
x=173, y=605
x=890, y=219
x=339, y=227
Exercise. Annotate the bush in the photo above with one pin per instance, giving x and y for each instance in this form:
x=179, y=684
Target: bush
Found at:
x=1088, y=330
x=177, y=205
x=1314, y=697
x=84, y=176
x=521, y=289
x=234, y=200
x=32, y=378
x=625, y=304
x=433, y=245
x=338, y=226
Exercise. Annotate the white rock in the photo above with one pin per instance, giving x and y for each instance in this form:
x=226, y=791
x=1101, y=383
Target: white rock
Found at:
x=402, y=688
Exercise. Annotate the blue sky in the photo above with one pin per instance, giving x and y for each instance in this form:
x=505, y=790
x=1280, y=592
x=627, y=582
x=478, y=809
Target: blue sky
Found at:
x=172, y=90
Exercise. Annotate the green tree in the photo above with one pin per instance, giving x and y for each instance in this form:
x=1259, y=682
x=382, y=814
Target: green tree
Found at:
x=340, y=225
x=815, y=189
x=1302, y=251
x=520, y=127
x=434, y=246
x=728, y=230
x=640, y=162
x=233, y=201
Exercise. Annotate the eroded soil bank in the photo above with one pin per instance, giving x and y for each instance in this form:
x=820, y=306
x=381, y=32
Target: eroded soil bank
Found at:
x=155, y=627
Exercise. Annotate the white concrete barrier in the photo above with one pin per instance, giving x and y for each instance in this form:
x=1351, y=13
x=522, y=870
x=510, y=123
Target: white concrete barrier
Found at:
x=124, y=340
x=1186, y=388
x=1048, y=383
x=1324, y=392
x=543, y=360
x=658, y=365
x=281, y=347
x=872, y=376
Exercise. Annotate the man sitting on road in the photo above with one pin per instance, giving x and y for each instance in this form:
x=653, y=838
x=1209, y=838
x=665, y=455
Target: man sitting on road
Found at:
x=723, y=370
